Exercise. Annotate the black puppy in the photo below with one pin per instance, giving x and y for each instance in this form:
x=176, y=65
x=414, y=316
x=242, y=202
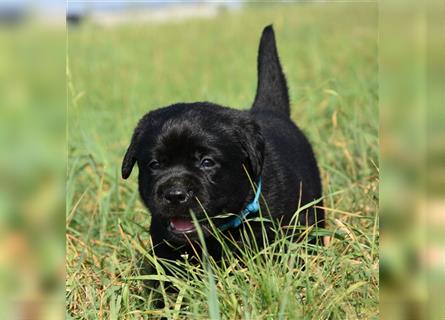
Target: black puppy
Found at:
x=194, y=156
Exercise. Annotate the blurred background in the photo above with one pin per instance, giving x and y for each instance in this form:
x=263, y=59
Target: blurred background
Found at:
x=32, y=162
x=33, y=101
x=412, y=146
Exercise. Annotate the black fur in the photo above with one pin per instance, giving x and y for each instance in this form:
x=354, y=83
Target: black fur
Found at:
x=170, y=145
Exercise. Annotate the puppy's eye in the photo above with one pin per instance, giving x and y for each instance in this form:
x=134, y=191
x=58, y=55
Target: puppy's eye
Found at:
x=154, y=164
x=207, y=163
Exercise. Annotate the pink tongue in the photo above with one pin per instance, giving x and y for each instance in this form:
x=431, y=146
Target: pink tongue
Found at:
x=182, y=224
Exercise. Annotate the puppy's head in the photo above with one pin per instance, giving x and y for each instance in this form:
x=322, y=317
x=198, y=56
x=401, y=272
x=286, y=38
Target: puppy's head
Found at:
x=192, y=157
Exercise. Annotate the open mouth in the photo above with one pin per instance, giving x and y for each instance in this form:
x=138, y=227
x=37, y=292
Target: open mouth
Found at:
x=185, y=225
x=182, y=225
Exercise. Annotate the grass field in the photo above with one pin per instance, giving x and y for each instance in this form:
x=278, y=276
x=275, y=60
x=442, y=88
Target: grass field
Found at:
x=116, y=74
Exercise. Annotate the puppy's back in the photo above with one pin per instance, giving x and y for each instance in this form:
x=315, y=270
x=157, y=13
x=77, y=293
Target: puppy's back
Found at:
x=290, y=170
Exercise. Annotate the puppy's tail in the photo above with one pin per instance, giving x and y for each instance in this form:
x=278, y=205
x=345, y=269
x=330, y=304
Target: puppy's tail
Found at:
x=272, y=92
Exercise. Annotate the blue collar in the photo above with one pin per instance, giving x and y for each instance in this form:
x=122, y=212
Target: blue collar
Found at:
x=252, y=207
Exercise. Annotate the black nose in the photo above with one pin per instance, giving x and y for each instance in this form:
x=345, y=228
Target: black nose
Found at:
x=176, y=195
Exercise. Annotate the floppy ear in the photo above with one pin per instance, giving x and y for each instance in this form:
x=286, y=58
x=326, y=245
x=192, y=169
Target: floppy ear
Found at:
x=130, y=155
x=252, y=142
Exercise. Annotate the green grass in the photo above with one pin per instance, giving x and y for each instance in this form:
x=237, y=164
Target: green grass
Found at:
x=115, y=75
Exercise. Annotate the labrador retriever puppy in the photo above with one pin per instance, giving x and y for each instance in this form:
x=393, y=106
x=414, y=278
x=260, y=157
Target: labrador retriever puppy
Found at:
x=215, y=161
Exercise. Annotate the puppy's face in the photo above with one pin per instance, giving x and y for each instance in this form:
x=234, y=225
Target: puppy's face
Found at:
x=191, y=157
